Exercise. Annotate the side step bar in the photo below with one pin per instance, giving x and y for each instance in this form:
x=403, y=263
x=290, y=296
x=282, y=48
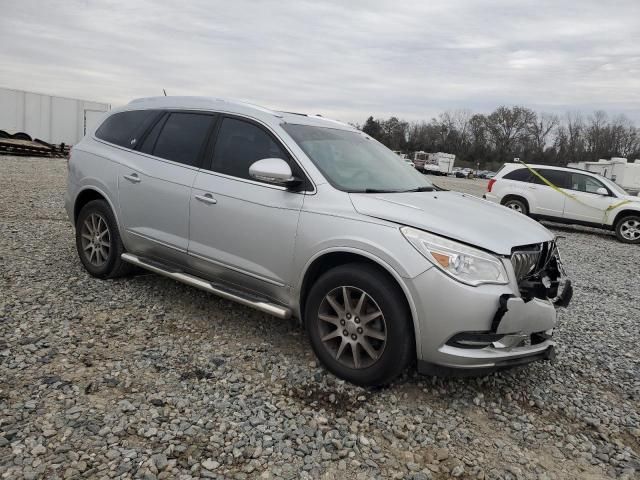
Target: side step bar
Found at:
x=255, y=302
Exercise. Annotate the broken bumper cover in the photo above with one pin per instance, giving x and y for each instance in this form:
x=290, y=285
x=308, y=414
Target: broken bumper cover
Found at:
x=515, y=359
x=509, y=343
x=478, y=330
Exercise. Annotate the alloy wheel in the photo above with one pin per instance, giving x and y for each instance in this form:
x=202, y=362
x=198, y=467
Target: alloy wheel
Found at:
x=514, y=206
x=630, y=229
x=96, y=239
x=352, y=327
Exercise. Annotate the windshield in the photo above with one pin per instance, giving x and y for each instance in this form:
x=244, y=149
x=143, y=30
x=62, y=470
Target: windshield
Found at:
x=353, y=162
x=613, y=186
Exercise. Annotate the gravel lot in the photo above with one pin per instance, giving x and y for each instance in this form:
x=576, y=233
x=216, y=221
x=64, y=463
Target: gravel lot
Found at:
x=147, y=378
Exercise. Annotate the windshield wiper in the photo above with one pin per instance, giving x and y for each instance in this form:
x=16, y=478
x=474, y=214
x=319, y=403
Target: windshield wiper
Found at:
x=377, y=190
x=380, y=190
x=420, y=189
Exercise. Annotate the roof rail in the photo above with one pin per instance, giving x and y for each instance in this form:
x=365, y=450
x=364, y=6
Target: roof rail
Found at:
x=334, y=121
x=216, y=99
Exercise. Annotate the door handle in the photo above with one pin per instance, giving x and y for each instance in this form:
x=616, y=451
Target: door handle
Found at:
x=532, y=187
x=207, y=198
x=133, y=178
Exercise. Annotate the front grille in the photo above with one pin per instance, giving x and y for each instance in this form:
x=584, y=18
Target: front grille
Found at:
x=529, y=259
x=525, y=262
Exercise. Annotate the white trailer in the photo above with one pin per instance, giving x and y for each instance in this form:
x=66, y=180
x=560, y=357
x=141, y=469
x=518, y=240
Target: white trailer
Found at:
x=439, y=163
x=618, y=169
x=49, y=118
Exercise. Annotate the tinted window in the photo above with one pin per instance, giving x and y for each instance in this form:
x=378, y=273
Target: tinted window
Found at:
x=520, y=175
x=124, y=128
x=182, y=137
x=239, y=144
x=584, y=183
x=151, y=139
x=557, y=177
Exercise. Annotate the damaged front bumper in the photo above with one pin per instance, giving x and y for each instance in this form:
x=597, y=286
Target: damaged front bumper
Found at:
x=488, y=328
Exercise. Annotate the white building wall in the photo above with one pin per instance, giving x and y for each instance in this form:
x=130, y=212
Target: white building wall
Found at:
x=49, y=118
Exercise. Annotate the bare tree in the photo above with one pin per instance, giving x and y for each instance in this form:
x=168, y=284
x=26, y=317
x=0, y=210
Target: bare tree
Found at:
x=509, y=127
x=513, y=131
x=575, y=137
x=541, y=128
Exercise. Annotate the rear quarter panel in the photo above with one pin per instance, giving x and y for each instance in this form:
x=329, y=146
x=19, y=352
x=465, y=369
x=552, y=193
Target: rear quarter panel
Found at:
x=503, y=187
x=91, y=167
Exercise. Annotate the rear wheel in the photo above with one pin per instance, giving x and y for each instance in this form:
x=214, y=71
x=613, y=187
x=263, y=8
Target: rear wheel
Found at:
x=98, y=241
x=516, y=204
x=628, y=229
x=359, y=324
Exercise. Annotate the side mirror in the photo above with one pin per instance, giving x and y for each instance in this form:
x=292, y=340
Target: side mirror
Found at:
x=273, y=170
x=602, y=191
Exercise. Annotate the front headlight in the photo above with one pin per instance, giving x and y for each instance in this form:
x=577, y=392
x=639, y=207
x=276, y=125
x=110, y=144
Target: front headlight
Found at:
x=466, y=264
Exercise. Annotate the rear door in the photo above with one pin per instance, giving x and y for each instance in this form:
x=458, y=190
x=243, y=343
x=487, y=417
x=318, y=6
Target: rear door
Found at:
x=589, y=206
x=155, y=183
x=548, y=200
x=243, y=231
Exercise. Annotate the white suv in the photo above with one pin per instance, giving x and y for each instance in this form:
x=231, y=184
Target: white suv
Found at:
x=582, y=198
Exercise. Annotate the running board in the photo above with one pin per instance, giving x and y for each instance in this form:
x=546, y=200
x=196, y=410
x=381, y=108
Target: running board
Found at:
x=235, y=296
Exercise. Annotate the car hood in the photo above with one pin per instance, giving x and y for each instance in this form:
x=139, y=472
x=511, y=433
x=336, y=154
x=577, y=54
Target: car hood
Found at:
x=455, y=215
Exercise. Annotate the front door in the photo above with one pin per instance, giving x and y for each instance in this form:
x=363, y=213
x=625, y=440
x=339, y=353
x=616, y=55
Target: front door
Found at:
x=589, y=205
x=243, y=231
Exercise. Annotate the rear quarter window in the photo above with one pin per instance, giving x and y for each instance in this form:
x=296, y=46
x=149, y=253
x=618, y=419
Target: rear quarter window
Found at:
x=125, y=128
x=519, y=175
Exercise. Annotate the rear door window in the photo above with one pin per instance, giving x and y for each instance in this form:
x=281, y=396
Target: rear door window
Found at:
x=150, y=140
x=125, y=128
x=559, y=178
x=183, y=137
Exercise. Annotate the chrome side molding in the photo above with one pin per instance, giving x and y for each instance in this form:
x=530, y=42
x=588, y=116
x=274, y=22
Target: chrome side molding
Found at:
x=258, y=304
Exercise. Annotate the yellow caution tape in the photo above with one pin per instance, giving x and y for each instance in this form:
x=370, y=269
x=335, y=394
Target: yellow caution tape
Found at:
x=616, y=205
x=573, y=197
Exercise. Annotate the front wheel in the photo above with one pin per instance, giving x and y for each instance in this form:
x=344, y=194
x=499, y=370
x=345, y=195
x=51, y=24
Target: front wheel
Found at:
x=628, y=229
x=359, y=325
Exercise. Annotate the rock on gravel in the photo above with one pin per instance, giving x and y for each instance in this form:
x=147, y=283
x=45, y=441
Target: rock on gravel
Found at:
x=147, y=378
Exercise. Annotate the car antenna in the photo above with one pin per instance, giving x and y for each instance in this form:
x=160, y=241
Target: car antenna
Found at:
x=164, y=91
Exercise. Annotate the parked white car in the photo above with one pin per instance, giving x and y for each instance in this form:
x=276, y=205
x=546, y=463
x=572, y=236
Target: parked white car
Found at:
x=581, y=198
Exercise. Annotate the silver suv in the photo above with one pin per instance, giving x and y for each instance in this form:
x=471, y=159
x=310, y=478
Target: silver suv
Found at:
x=301, y=216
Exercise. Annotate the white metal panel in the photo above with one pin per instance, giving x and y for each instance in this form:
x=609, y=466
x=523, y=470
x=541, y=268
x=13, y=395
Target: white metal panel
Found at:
x=36, y=119
x=49, y=118
x=9, y=110
x=64, y=120
x=91, y=118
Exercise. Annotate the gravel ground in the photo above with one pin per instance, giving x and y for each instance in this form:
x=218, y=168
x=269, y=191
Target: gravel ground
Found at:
x=147, y=378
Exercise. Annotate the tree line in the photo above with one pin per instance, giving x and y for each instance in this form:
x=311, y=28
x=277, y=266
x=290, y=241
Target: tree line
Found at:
x=510, y=132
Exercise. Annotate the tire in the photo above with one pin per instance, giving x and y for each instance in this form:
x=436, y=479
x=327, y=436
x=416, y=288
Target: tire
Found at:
x=516, y=204
x=628, y=229
x=100, y=255
x=388, y=334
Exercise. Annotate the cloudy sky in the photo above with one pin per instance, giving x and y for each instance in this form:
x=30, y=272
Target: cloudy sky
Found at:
x=346, y=58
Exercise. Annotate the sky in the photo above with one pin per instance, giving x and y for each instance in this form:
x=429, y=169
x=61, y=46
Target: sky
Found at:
x=345, y=59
